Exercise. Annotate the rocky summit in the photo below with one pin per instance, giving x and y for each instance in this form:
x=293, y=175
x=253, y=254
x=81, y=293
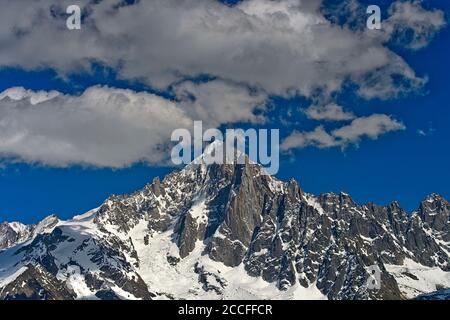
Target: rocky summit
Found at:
x=230, y=232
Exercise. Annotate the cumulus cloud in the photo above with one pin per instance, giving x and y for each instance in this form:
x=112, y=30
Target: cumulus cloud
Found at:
x=284, y=47
x=328, y=112
x=407, y=24
x=318, y=138
x=371, y=127
x=218, y=102
x=412, y=26
x=254, y=49
x=34, y=97
x=108, y=127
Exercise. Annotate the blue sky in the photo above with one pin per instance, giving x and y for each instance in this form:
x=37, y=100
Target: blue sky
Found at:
x=404, y=165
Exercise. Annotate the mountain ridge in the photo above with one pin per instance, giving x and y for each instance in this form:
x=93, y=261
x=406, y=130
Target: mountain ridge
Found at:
x=230, y=231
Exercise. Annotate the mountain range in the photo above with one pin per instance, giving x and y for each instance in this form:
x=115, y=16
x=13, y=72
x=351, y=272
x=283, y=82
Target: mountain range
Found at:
x=230, y=232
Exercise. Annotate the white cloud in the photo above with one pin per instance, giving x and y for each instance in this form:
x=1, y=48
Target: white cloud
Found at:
x=408, y=24
x=254, y=49
x=422, y=133
x=318, y=138
x=283, y=47
x=34, y=97
x=412, y=26
x=328, y=112
x=371, y=126
x=218, y=102
x=426, y=132
x=109, y=127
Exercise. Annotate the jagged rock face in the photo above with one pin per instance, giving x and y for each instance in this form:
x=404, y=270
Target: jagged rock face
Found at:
x=247, y=199
x=102, y=262
x=434, y=211
x=35, y=283
x=298, y=241
x=240, y=218
x=285, y=236
x=13, y=233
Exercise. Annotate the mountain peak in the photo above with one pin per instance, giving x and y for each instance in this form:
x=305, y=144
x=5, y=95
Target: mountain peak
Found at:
x=217, y=152
x=433, y=197
x=12, y=233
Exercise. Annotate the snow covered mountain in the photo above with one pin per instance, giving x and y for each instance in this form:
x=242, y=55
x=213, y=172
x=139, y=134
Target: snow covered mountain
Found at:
x=229, y=231
x=14, y=233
